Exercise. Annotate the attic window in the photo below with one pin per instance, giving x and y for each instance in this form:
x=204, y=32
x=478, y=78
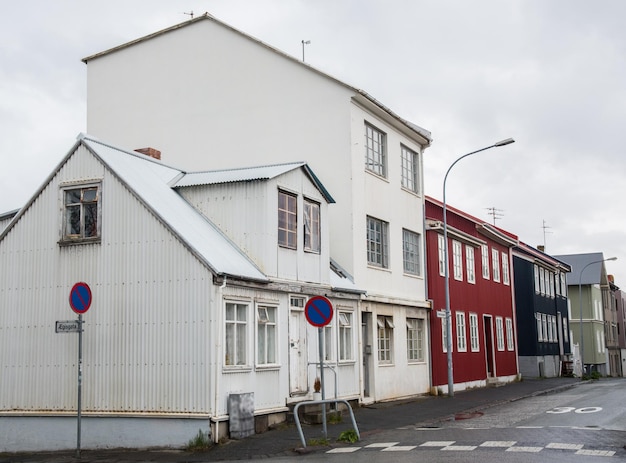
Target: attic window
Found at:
x=81, y=214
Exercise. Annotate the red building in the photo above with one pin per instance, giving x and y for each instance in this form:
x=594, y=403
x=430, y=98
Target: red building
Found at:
x=484, y=347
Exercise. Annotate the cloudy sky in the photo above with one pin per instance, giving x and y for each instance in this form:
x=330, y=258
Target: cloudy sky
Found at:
x=549, y=73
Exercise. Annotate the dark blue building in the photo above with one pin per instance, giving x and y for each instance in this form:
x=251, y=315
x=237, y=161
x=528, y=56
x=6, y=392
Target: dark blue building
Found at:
x=541, y=305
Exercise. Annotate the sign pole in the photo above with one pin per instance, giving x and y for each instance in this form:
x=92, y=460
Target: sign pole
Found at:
x=80, y=380
x=320, y=336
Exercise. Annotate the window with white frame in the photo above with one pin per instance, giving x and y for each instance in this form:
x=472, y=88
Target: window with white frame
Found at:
x=505, y=269
x=563, y=285
x=312, y=230
x=385, y=339
x=410, y=169
x=499, y=333
x=557, y=283
x=474, y=345
x=81, y=213
x=565, y=330
x=442, y=254
x=550, y=331
x=345, y=336
x=539, y=327
x=236, y=327
x=377, y=243
x=544, y=327
x=457, y=260
x=542, y=281
x=495, y=264
x=484, y=252
x=329, y=345
x=287, y=220
x=537, y=283
x=551, y=282
x=266, y=335
x=444, y=333
x=375, y=150
x=555, y=329
x=415, y=339
x=411, y=252
x=461, y=340
x=470, y=264
x=510, y=345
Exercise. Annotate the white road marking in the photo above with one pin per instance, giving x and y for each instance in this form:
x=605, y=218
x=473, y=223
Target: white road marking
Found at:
x=524, y=449
x=466, y=448
x=438, y=443
x=498, y=443
x=556, y=445
x=399, y=448
x=344, y=450
x=597, y=453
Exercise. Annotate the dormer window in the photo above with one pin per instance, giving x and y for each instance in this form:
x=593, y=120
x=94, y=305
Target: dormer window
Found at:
x=81, y=213
x=311, y=226
x=287, y=220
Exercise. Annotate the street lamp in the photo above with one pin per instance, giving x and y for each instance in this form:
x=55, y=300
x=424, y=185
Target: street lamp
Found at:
x=580, y=303
x=304, y=42
x=508, y=141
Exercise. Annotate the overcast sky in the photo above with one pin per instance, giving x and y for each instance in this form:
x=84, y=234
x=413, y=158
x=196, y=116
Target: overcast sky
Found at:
x=549, y=73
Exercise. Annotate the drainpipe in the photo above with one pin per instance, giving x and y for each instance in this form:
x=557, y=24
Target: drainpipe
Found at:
x=217, y=359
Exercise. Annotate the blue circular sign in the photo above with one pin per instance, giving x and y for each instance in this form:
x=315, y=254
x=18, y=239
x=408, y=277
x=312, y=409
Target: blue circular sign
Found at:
x=80, y=297
x=318, y=311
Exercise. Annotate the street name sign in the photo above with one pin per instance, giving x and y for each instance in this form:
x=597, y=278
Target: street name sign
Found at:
x=67, y=326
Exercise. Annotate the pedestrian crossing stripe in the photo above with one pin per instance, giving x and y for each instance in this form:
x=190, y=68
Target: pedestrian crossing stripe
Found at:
x=507, y=446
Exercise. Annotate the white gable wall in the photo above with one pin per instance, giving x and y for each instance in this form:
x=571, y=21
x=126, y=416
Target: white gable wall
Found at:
x=146, y=289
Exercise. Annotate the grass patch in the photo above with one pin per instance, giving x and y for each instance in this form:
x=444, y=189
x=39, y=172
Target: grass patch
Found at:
x=349, y=436
x=322, y=441
x=199, y=443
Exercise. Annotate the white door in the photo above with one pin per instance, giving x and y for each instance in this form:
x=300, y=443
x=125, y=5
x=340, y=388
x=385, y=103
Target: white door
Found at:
x=298, y=359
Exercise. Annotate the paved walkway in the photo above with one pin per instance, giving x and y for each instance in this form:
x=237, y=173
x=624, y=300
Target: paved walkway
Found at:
x=286, y=440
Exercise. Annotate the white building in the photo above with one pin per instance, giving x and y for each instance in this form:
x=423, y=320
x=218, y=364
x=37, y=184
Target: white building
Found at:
x=210, y=97
x=185, y=313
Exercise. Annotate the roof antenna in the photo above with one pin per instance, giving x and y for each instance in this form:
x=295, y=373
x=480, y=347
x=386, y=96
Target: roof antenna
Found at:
x=189, y=14
x=545, y=228
x=495, y=213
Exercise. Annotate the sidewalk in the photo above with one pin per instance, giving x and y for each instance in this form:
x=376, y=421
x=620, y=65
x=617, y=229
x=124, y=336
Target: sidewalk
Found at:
x=284, y=440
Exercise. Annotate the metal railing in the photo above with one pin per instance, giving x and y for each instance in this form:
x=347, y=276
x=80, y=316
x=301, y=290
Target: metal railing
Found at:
x=323, y=402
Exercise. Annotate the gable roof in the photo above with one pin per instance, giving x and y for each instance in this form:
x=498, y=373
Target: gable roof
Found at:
x=248, y=174
x=538, y=255
x=591, y=265
x=360, y=95
x=148, y=180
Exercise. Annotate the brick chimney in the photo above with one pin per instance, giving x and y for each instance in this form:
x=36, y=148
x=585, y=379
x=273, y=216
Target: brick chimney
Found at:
x=153, y=153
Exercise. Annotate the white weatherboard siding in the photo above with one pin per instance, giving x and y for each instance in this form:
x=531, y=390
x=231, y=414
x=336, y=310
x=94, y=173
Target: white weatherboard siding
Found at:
x=146, y=288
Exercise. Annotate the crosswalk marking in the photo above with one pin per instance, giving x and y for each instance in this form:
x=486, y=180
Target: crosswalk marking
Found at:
x=452, y=446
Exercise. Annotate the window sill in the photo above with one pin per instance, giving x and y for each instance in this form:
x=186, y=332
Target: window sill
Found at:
x=268, y=367
x=236, y=369
x=78, y=241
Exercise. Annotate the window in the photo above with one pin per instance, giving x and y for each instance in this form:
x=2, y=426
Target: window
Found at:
x=474, y=333
x=375, y=151
x=537, y=281
x=469, y=264
x=385, y=339
x=442, y=255
x=81, y=210
x=287, y=220
x=444, y=333
x=266, y=335
x=551, y=283
x=236, y=334
x=411, y=252
x=495, y=264
x=544, y=326
x=509, y=334
x=550, y=331
x=415, y=339
x=563, y=285
x=457, y=260
x=312, y=233
x=484, y=251
x=499, y=333
x=565, y=330
x=377, y=245
x=555, y=329
x=505, y=269
x=329, y=345
x=410, y=169
x=461, y=342
x=542, y=281
x=345, y=336
x=539, y=327
x=557, y=283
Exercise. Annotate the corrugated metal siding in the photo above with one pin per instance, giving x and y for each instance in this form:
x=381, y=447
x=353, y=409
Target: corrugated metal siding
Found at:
x=145, y=345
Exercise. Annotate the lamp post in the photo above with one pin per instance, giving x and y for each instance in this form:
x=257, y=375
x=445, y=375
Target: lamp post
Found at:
x=446, y=273
x=580, y=303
